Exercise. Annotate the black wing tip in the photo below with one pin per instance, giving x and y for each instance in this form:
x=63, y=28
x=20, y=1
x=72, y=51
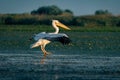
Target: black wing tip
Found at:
x=64, y=40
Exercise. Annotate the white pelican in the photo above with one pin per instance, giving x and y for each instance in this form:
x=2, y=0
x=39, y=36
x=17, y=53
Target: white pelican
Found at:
x=43, y=38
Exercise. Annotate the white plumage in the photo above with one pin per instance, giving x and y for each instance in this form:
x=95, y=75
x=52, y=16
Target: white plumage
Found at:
x=43, y=38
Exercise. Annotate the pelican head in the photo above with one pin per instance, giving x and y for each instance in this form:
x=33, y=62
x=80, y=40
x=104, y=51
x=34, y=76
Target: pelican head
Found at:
x=57, y=24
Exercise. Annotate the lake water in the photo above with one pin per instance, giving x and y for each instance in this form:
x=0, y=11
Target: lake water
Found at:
x=90, y=56
x=58, y=67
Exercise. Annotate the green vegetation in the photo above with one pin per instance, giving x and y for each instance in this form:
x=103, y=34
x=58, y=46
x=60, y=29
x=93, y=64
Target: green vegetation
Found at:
x=101, y=12
x=44, y=15
x=16, y=37
x=66, y=18
x=47, y=28
x=99, y=32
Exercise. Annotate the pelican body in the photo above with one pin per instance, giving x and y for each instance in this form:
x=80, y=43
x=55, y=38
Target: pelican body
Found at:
x=43, y=38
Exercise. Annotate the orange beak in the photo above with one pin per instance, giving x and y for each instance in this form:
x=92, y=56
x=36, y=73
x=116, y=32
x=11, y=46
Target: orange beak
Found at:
x=62, y=26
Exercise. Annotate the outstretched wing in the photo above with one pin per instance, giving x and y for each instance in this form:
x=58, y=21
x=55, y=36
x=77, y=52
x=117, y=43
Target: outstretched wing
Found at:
x=62, y=38
x=38, y=36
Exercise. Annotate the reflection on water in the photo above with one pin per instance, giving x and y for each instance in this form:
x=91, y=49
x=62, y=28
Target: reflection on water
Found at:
x=43, y=60
x=58, y=67
x=92, y=55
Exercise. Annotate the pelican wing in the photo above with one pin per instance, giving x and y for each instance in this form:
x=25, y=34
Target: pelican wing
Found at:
x=63, y=38
x=60, y=37
x=41, y=35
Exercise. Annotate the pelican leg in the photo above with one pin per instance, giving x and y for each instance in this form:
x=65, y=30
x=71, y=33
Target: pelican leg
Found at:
x=43, y=50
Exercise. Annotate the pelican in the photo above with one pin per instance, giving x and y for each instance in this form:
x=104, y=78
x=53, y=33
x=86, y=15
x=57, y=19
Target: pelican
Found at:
x=43, y=38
